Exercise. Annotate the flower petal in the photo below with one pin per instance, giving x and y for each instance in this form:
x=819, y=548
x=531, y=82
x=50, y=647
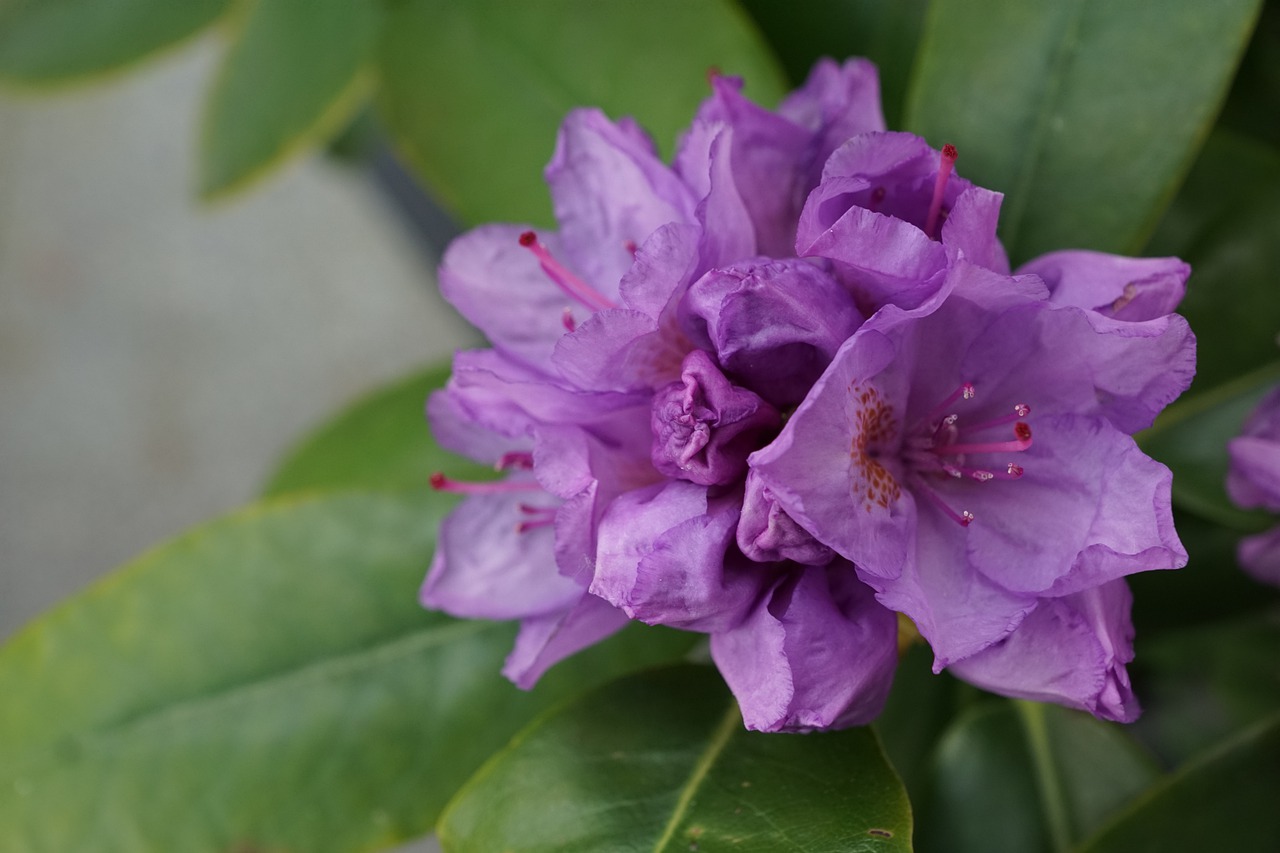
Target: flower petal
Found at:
x=817, y=652
x=1124, y=288
x=546, y=640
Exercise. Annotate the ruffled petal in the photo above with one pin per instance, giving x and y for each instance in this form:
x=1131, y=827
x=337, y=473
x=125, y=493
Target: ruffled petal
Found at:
x=546, y=640
x=1124, y=288
x=817, y=652
x=1070, y=650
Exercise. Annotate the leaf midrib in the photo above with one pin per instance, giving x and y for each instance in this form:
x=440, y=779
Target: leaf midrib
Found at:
x=720, y=737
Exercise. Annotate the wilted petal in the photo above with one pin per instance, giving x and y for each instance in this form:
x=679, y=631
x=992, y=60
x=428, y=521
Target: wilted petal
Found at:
x=817, y=652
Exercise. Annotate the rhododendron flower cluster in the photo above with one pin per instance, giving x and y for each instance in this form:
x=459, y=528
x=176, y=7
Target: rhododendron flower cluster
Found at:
x=1253, y=481
x=786, y=389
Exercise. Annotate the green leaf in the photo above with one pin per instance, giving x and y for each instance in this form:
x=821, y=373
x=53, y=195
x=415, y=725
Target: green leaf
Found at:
x=267, y=681
x=1024, y=777
x=47, y=41
x=295, y=73
x=1224, y=801
x=475, y=91
x=1191, y=438
x=380, y=441
x=885, y=33
x=1251, y=105
x=1200, y=686
x=661, y=761
x=1086, y=114
x=1223, y=223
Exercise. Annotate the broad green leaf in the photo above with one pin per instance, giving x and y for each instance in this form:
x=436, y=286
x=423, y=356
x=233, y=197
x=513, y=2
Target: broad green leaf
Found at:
x=475, y=91
x=662, y=762
x=1201, y=685
x=48, y=41
x=294, y=74
x=1086, y=113
x=1251, y=105
x=381, y=441
x=884, y=32
x=265, y=682
x=1225, y=800
x=1191, y=438
x=1224, y=223
x=1024, y=777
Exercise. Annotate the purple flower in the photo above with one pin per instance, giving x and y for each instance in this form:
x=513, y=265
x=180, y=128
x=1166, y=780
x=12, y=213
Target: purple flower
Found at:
x=1254, y=481
x=913, y=457
x=701, y=427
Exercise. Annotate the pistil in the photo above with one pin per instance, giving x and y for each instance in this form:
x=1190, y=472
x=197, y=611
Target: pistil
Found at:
x=945, y=164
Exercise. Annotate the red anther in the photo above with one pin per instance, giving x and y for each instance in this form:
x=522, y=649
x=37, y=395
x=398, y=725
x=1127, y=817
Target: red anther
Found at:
x=1022, y=431
x=438, y=481
x=528, y=238
x=949, y=151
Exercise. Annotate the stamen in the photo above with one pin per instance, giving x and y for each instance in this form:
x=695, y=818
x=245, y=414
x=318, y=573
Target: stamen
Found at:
x=1021, y=442
x=560, y=274
x=945, y=164
x=963, y=518
x=441, y=483
x=966, y=391
x=630, y=246
x=526, y=526
x=514, y=459
x=570, y=324
x=1019, y=411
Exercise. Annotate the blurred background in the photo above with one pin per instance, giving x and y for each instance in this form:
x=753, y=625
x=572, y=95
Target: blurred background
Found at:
x=157, y=355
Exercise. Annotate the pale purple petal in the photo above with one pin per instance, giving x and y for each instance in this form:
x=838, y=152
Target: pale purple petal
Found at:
x=836, y=102
x=662, y=559
x=499, y=287
x=767, y=534
x=546, y=640
x=817, y=652
x=970, y=230
x=486, y=568
x=728, y=233
x=610, y=191
x=1070, y=650
x=1260, y=556
x=664, y=264
x=1120, y=287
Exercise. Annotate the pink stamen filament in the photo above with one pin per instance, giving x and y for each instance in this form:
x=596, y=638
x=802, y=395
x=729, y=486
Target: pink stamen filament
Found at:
x=1019, y=444
x=963, y=518
x=526, y=526
x=945, y=164
x=441, y=483
x=573, y=286
x=1019, y=411
x=965, y=391
x=515, y=459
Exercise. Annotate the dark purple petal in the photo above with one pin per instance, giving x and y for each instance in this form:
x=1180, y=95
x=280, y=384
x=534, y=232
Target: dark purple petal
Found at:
x=486, y=568
x=1070, y=650
x=1253, y=479
x=704, y=427
x=970, y=230
x=817, y=652
x=767, y=534
x=546, y=640
x=773, y=325
x=610, y=191
x=1119, y=287
x=836, y=102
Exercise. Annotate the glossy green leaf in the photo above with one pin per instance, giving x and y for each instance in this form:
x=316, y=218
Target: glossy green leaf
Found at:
x=1224, y=223
x=1224, y=801
x=1086, y=114
x=887, y=33
x=380, y=441
x=269, y=682
x=1251, y=105
x=475, y=91
x=1191, y=438
x=1201, y=685
x=1025, y=777
x=47, y=41
x=295, y=73
x=662, y=762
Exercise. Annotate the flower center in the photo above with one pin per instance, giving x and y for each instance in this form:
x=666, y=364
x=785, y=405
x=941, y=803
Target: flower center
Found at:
x=945, y=165
x=573, y=287
x=941, y=445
